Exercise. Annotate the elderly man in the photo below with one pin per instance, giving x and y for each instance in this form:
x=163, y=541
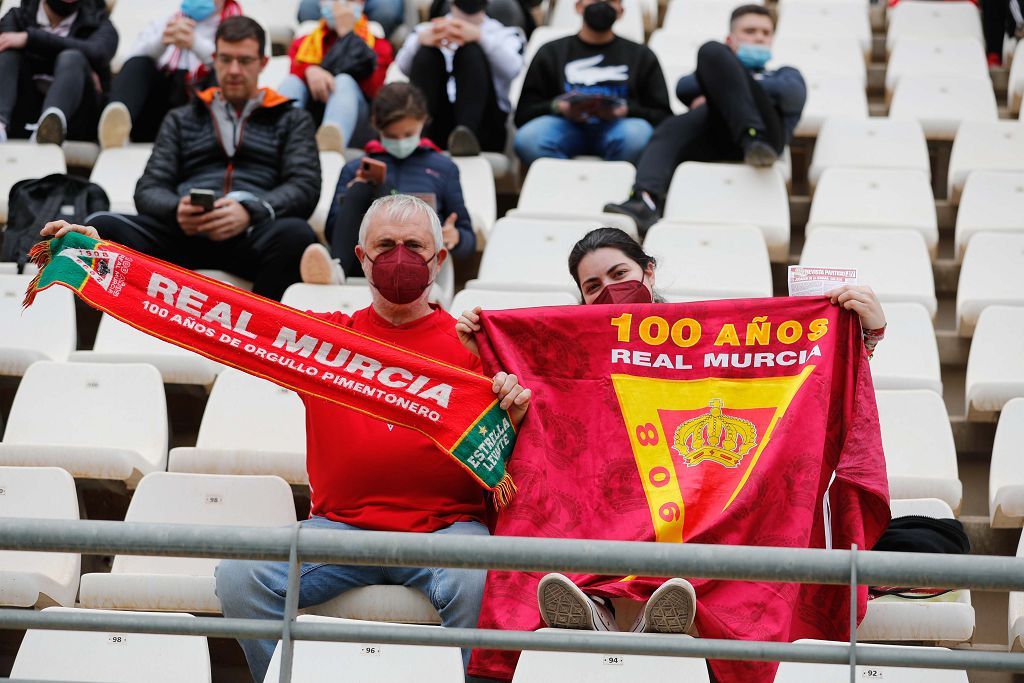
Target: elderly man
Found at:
x=367, y=474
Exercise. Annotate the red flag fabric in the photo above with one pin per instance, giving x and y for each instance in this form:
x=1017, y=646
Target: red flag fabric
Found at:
x=720, y=422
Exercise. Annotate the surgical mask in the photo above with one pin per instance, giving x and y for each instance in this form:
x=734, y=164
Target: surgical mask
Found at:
x=629, y=292
x=401, y=275
x=599, y=16
x=62, y=8
x=400, y=148
x=753, y=56
x=470, y=6
x=198, y=9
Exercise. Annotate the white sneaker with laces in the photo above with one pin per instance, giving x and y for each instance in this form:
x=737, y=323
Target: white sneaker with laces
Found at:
x=671, y=609
x=318, y=268
x=564, y=605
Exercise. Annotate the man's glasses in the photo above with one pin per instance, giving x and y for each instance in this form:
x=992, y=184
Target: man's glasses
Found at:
x=226, y=60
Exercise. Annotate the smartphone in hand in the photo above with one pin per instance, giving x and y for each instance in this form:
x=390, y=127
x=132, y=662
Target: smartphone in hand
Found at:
x=203, y=198
x=373, y=171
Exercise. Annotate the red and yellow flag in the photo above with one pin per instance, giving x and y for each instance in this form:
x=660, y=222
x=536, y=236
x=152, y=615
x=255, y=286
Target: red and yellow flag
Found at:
x=719, y=422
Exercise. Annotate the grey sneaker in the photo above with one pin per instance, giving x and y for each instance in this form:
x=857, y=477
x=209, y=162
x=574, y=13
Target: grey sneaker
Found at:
x=671, y=609
x=759, y=155
x=115, y=127
x=463, y=143
x=52, y=128
x=318, y=268
x=564, y=605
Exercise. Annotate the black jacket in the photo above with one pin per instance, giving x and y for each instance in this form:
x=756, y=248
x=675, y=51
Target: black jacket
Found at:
x=92, y=34
x=276, y=160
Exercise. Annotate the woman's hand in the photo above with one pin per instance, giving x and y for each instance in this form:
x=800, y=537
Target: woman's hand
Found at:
x=61, y=228
x=512, y=396
x=466, y=327
x=449, y=233
x=861, y=300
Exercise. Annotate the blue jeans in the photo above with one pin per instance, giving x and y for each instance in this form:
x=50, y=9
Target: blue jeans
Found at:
x=346, y=107
x=387, y=13
x=555, y=136
x=256, y=590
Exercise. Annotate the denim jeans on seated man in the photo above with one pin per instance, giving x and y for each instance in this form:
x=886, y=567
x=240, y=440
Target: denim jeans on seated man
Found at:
x=346, y=107
x=554, y=136
x=256, y=590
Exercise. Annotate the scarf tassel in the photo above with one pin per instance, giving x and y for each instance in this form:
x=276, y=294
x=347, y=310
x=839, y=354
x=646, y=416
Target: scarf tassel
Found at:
x=39, y=255
x=504, y=492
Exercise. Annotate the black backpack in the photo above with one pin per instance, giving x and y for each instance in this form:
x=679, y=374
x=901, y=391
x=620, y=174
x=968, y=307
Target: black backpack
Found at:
x=36, y=201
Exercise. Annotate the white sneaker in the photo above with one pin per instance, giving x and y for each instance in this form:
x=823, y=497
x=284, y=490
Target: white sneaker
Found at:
x=52, y=128
x=318, y=268
x=3, y=133
x=115, y=126
x=671, y=609
x=329, y=138
x=564, y=605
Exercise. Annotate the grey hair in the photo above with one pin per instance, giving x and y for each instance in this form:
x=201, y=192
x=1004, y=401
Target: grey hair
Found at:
x=401, y=208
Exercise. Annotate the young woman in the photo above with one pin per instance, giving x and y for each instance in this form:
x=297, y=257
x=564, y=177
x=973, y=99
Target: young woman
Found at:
x=610, y=267
x=411, y=165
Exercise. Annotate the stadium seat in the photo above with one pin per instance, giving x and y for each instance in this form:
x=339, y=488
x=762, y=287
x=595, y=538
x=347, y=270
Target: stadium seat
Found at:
x=875, y=198
x=946, y=619
x=45, y=331
x=279, y=18
x=130, y=17
x=984, y=146
x=672, y=74
x=327, y=298
x=704, y=19
x=476, y=176
x=715, y=194
x=991, y=201
x=995, y=366
x=946, y=57
x=575, y=189
x=250, y=426
x=185, y=584
x=941, y=103
x=394, y=604
x=496, y=300
x=1015, y=620
x=935, y=21
x=319, y=661
x=1015, y=81
x=117, y=170
x=530, y=255
x=799, y=672
x=115, y=428
x=992, y=273
x=118, y=342
x=822, y=57
x=820, y=20
x=713, y=262
x=869, y=143
x=827, y=97
x=894, y=262
x=1006, y=472
x=20, y=160
x=276, y=70
x=591, y=667
x=29, y=579
x=908, y=357
x=540, y=36
x=331, y=164
x=920, y=456
x=676, y=50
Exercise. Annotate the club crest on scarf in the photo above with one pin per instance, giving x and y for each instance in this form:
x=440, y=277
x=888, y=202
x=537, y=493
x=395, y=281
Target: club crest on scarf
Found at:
x=106, y=268
x=715, y=436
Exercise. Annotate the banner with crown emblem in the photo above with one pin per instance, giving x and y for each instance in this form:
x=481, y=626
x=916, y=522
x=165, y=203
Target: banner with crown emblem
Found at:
x=722, y=422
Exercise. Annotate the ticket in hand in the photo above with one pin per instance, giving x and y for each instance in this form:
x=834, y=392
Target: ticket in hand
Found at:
x=813, y=281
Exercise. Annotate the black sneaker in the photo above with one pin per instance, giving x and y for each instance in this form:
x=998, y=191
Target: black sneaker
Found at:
x=463, y=143
x=645, y=214
x=759, y=154
x=52, y=128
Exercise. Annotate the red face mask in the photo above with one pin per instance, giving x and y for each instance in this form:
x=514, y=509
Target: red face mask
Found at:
x=401, y=275
x=629, y=292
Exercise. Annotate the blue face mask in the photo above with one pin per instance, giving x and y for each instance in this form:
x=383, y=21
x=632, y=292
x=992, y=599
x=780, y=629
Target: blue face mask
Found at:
x=198, y=9
x=327, y=12
x=753, y=56
x=400, y=148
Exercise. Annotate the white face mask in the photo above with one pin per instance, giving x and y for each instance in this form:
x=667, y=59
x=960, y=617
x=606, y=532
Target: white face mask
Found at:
x=400, y=148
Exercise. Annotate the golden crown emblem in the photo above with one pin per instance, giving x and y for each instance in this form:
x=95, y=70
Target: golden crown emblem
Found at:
x=717, y=437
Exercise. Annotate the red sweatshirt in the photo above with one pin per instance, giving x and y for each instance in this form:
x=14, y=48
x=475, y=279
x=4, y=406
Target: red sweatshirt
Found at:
x=369, y=85
x=377, y=476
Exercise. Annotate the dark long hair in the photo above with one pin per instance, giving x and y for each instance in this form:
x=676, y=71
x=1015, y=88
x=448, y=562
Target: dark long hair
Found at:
x=611, y=238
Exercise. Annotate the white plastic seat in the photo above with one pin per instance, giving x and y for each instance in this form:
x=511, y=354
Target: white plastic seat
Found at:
x=732, y=194
x=331, y=164
x=250, y=426
x=105, y=657
x=992, y=273
x=44, y=331
x=116, y=431
x=279, y=18
x=29, y=579
x=540, y=36
x=1006, y=471
x=942, y=103
x=20, y=160
x=937, y=21
x=582, y=667
x=381, y=663
x=820, y=20
x=984, y=146
x=327, y=298
x=706, y=19
x=1015, y=81
x=995, y=366
x=920, y=456
x=672, y=73
x=908, y=357
x=710, y=262
x=949, y=57
x=130, y=18
x=393, y=604
x=894, y=262
x=676, y=50
x=476, y=175
x=824, y=57
x=530, y=255
x=185, y=584
x=869, y=143
x=829, y=96
x=799, y=672
x=1015, y=615
x=875, y=198
x=276, y=70
x=117, y=170
x=991, y=201
x=497, y=300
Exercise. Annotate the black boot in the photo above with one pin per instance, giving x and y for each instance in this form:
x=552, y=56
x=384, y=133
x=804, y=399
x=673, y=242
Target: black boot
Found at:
x=641, y=207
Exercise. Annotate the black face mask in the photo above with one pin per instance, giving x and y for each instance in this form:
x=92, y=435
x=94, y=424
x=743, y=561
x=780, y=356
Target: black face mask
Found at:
x=599, y=16
x=61, y=8
x=470, y=6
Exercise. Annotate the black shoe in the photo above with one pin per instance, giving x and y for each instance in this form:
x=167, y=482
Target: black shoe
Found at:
x=463, y=143
x=51, y=130
x=639, y=210
x=759, y=154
